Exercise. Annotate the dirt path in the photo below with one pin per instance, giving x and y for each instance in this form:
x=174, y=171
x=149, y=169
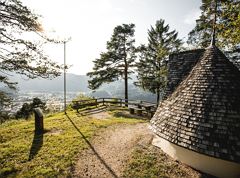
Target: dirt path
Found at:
x=109, y=151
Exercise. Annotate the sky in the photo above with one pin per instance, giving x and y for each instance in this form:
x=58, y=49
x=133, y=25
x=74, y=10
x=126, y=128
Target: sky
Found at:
x=90, y=24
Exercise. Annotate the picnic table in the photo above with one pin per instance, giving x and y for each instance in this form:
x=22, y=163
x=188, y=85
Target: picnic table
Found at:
x=139, y=107
x=78, y=104
x=133, y=109
x=148, y=107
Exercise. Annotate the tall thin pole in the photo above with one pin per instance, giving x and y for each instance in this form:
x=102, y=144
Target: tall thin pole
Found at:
x=65, y=105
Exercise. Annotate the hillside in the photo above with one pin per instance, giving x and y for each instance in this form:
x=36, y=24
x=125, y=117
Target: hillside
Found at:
x=25, y=154
x=72, y=142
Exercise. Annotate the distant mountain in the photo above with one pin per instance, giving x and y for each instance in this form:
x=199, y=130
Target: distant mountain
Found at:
x=79, y=83
x=116, y=89
x=75, y=83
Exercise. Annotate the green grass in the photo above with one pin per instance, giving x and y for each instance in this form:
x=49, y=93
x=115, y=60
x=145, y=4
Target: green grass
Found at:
x=54, y=153
x=150, y=162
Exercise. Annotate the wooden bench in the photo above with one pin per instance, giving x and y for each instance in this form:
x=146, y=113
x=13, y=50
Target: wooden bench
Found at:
x=133, y=109
x=111, y=101
x=84, y=103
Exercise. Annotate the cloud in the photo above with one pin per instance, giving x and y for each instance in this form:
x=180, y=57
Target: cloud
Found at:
x=190, y=18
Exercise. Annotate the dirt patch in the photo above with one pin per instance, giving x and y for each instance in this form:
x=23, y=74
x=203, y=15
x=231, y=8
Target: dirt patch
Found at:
x=110, y=150
x=126, y=114
x=54, y=131
x=101, y=115
x=126, y=151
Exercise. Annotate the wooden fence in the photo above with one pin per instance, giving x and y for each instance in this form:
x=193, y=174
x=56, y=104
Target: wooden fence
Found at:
x=78, y=104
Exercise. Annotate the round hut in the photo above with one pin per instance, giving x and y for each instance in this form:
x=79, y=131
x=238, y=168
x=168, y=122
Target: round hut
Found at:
x=199, y=123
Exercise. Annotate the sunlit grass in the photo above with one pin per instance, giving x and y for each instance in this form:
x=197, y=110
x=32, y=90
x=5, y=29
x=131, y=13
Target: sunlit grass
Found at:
x=151, y=162
x=57, y=152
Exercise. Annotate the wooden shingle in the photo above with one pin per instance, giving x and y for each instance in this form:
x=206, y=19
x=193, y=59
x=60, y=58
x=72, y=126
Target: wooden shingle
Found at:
x=203, y=113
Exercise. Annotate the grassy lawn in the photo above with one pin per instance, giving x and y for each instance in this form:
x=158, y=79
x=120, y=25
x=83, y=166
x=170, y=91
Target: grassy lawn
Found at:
x=150, y=162
x=24, y=154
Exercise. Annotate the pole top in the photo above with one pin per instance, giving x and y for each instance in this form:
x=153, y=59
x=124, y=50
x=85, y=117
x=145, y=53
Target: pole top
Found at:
x=67, y=40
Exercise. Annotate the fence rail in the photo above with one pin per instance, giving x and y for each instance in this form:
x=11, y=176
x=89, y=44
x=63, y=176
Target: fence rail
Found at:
x=79, y=104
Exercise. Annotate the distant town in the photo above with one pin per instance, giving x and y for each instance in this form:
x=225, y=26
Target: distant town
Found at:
x=54, y=100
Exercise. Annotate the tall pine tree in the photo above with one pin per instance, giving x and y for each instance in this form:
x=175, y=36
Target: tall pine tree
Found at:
x=152, y=65
x=227, y=24
x=20, y=54
x=117, y=61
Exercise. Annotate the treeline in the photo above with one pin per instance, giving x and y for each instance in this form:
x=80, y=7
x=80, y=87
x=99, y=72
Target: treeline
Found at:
x=227, y=27
x=149, y=61
x=122, y=57
x=19, y=54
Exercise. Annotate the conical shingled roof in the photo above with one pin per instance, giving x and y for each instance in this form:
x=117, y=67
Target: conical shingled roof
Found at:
x=203, y=113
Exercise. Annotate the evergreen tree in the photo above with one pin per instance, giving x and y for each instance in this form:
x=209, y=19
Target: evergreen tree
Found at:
x=5, y=100
x=152, y=65
x=24, y=112
x=27, y=108
x=117, y=61
x=227, y=24
x=38, y=103
x=17, y=53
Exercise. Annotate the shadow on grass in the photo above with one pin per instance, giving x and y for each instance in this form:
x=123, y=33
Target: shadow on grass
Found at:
x=36, y=145
x=93, y=149
x=8, y=172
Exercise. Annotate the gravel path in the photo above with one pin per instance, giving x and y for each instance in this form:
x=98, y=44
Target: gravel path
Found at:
x=109, y=151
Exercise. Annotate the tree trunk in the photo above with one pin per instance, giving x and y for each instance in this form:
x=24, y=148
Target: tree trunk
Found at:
x=125, y=72
x=159, y=80
x=126, y=84
x=158, y=96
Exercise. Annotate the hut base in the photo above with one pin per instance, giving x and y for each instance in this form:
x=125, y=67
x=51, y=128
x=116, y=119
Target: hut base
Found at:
x=207, y=164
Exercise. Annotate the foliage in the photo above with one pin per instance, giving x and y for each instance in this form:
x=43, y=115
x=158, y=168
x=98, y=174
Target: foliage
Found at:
x=27, y=108
x=21, y=40
x=38, y=103
x=152, y=65
x=4, y=116
x=82, y=97
x=56, y=150
x=227, y=24
x=24, y=112
x=5, y=100
x=87, y=102
x=117, y=61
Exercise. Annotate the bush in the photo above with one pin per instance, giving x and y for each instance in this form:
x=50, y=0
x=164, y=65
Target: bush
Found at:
x=4, y=116
x=27, y=109
x=74, y=105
